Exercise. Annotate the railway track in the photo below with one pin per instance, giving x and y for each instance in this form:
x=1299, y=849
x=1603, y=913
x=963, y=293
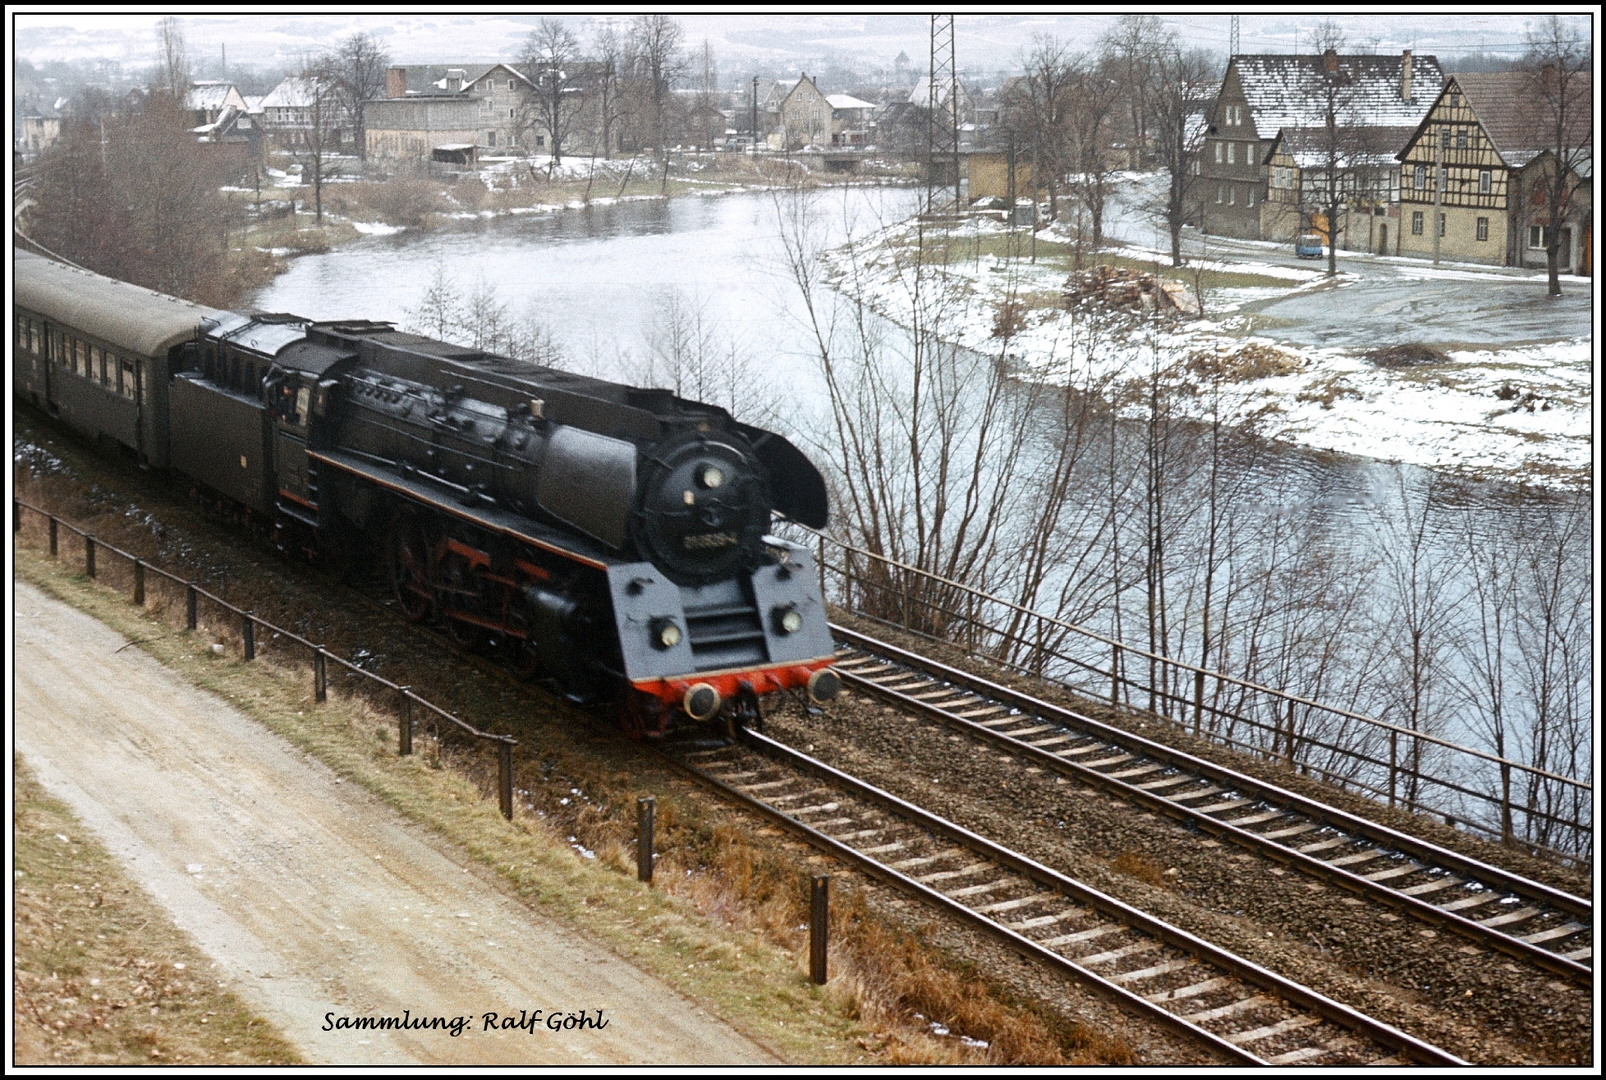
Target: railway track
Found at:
x=1242, y=1010
x=1537, y=923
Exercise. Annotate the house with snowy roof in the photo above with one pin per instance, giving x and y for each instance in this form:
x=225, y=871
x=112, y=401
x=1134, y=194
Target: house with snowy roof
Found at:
x=1350, y=104
x=1491, y=140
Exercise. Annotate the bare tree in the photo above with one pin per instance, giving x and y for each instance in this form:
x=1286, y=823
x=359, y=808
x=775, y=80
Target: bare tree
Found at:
x=1094, y=96
x=550, y=59
x=356, y=69
x=1034, y=109
x=1132, y=48
x=604, y=102
x=1178, y=81
x=1559, y=83
x=322, y=133
x=655, y=43
x=172, y=75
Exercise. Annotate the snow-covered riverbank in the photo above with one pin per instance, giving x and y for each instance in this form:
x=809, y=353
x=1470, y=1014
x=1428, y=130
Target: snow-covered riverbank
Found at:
x=1520, y=411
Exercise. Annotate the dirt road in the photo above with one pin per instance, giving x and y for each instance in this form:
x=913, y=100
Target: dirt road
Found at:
x=317, y=902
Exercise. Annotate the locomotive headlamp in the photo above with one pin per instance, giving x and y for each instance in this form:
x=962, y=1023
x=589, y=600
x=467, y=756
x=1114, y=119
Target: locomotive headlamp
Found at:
x=709, y=476
x=665, y=633
x=787, y=619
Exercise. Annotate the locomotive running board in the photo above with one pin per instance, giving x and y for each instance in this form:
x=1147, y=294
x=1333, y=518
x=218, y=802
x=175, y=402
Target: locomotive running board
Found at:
x=419, y=490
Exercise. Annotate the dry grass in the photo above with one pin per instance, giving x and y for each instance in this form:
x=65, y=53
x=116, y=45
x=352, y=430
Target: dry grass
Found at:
x=1247, y=364
x=101, y=975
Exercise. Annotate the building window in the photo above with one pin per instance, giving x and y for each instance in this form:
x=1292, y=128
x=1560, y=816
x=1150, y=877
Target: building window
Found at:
x=1232, y=195
x=1483, y=228
x=510, y=114
x=1441, y=224
x=1218, y=153
x=540, y=141
x=490, y=138
x=1416, y=223
x=1251, y=197
x=1461, y=140
x=1232, y=153
x=1538, y=236
x=1483, y=182
x=1421, y=176
x=1221, y=193
x=510, y=84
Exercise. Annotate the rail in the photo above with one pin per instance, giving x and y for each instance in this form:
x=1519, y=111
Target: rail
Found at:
x=406, y=702
x=1380, y=759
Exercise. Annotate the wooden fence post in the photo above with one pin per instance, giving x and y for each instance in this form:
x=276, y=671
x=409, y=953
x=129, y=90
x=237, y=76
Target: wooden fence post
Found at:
x=248, y=629
x=404, y=723
x=819, y=926
x=139, y=583
x=189, y=605
x=89, y=555
x=644, y=812
x=320, y=676
x=54, y=525
x=504, y=776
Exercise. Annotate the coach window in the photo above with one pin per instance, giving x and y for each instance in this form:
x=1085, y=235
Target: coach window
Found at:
x=128, y=379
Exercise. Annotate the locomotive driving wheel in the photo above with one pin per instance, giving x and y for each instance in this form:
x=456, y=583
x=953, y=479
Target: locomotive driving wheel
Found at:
x=409, y=571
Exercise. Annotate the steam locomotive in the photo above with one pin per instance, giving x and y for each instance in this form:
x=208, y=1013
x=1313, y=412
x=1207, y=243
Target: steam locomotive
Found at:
x=607, y=539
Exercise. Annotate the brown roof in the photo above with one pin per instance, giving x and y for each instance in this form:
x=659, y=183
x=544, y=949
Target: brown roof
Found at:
x=1511, y=109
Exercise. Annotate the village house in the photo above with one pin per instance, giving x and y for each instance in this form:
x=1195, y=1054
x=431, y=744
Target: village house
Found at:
x=850, y=120
x=805, y=116
x=298, y=109
x=207, y=99
x=1485, y=140
x=38, y=126
x=1261, y=95
x=1367, y=178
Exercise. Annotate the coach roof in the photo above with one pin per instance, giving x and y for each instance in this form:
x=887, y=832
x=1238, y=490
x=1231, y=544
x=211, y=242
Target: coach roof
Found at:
x=127, y=316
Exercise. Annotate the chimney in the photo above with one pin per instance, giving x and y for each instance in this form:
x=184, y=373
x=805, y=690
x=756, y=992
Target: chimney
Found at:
x=396, y=82
x=1405, y=76
x=1330, y=61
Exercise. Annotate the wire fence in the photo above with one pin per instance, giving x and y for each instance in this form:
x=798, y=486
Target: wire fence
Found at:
x=1517, y=803
x=251, y=636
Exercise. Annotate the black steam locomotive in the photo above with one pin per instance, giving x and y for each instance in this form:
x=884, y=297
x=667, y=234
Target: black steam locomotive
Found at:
x=608, y=539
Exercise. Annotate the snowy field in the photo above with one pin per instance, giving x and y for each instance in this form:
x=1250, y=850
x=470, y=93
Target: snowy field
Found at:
x=1518, y=411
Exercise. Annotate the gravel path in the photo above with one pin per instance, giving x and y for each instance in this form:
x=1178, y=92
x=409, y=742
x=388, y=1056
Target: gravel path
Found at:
x=311, y=896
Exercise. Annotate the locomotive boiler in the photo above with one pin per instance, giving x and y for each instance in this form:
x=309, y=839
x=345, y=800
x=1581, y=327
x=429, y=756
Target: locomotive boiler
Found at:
x=608, y=539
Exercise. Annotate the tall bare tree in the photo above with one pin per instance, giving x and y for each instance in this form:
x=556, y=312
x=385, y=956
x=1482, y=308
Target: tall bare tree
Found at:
x=1178, y=82
x=322, y=133
x=1034, y=110
x=1132, y=47
x=172, y=75
x=550, y=59
x=655, y=44
x=1559, y=83
x=1094, y=96
x=357, y=69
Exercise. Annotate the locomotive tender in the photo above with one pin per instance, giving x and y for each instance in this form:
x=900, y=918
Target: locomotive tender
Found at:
x=602, y=537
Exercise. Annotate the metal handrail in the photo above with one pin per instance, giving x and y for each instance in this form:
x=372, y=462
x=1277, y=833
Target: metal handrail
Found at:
x=1184, y=665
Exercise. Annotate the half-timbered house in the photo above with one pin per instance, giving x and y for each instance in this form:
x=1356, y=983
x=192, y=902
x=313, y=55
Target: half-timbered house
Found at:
x=1263, y=94
x=1470, y=172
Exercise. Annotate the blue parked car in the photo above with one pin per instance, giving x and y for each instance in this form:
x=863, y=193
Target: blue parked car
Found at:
x=1308, y=246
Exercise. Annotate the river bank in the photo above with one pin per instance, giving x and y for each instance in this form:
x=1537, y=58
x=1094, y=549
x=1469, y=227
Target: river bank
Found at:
x=1485, y=400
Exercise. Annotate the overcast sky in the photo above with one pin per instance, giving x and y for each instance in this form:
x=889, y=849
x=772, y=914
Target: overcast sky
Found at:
x=984, y=41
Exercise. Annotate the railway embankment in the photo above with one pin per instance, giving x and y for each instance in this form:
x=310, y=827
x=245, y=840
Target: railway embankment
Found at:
x=733, y=894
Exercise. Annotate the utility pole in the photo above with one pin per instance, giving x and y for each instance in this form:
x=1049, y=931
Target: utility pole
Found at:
x=1233, y=48
x=942, y=138
x=1438, y=189
x=755, y=115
